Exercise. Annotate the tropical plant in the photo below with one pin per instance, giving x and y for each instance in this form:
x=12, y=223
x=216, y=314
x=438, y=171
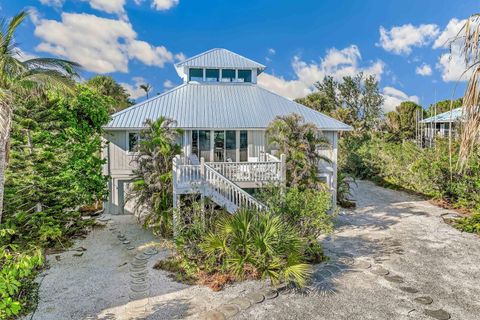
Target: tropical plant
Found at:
x=401, y=123
x=344, y=190
x=147, y=88
x=259, y=241
x=300, y=142
x=30, y=77
x=152, y=182
x=107, y=86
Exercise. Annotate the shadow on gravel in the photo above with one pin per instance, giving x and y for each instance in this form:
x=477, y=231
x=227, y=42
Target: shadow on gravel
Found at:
x=173, y=309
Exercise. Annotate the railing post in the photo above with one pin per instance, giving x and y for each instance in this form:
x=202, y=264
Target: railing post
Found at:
x=202, y=167
x=283, y=170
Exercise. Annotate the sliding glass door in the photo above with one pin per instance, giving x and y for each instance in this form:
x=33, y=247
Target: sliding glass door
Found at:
x=228, y=145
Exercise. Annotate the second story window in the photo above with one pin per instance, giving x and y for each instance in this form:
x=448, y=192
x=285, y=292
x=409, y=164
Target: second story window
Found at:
x=244, y=75
x=212, y=75
x=133, y=138
x=195, y=74
x=228, y=75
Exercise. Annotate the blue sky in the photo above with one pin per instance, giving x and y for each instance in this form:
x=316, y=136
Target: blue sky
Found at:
x=137, y=41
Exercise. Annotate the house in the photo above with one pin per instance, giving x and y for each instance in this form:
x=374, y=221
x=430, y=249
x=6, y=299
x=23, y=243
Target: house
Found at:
x=439, y=125
x=224, y=115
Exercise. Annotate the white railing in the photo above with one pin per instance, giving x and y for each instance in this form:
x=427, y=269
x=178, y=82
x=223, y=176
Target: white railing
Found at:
x=250, y=171
x=185, y=175
x=229, y=190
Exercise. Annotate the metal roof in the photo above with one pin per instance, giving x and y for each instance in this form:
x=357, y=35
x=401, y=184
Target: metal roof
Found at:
x=219, y=105
x=220, y=58
x=449, y=116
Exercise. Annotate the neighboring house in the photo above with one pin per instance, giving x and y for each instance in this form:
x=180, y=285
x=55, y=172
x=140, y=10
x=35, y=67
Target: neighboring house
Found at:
x=224, y=115
x=439, y=125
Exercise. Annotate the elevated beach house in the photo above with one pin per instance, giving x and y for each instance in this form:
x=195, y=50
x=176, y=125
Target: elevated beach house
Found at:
x=224, y=115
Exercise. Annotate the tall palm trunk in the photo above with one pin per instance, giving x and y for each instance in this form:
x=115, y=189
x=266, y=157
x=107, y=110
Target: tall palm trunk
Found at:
x=5, y=123
x=3, y=156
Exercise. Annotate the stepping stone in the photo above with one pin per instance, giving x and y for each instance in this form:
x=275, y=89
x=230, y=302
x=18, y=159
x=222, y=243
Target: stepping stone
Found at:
x=362, y=264
x=138, y=295
x=324, y=273
x=271, y=294
x=214, y=315
x=395, y=279
x=380, y=271
x=256, y=297
x=439, y=314
x=138, y=263
x=229, y=310
x=126, y=242
x=424, y=300
x=346, y=261
x=139, y=274
x=242, y=303
x=150, y=251
x=141, y=256
x=140, y=287
x=130, y=248
x=409, y=289
x=137, y=269
x=137, y=281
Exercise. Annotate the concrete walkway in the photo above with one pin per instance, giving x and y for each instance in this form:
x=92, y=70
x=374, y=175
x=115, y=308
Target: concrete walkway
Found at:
x=391, y=258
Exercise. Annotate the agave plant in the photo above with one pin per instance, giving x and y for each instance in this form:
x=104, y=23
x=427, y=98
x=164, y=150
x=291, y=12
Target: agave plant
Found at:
x=262, y=241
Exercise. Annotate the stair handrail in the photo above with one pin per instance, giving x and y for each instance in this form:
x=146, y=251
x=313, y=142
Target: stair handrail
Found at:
x=244, y=197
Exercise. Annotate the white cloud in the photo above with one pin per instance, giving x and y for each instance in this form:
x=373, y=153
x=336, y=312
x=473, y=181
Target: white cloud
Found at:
x=424, y=70
x=401, y=39
x=272, y=51
x=393, y=97
x=164, y=4
x=134, y=89
x=167, y=84
x=336, y=63
x=180, y=56
x=449, y=33
x=99, y=44
x=108, y=6
x=52, y=3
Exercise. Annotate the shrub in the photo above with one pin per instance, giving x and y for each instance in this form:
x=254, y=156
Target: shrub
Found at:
x=260, y=241
x=17, y=271
x=469, y=224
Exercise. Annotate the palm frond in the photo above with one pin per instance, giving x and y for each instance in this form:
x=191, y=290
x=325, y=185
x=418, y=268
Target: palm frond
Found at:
x=7, y=35
x=69, y=67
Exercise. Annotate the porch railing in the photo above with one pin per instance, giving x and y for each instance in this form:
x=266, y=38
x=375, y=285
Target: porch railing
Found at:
x=232, y=193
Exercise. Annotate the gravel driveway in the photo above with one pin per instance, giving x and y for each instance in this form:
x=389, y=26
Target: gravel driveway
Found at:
x=391, y=258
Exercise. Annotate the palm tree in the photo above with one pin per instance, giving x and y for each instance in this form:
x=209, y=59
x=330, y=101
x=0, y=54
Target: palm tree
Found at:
x=24, y=78
x=300, y=142
x=146, y=87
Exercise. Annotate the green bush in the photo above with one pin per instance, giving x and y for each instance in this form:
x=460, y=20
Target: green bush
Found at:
x=406, y=166
x=260, y=241
x=469, y=224
x=17, y=272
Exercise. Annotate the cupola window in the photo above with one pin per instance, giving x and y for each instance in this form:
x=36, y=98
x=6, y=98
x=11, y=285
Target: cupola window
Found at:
x=228, y=75
x=244, y=75
x=212, y=75
x=195, y=74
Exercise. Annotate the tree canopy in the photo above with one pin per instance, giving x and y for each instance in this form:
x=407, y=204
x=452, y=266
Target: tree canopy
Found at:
x=107, y=86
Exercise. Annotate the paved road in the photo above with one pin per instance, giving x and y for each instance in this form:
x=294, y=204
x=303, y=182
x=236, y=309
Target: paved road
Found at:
x=430, y=265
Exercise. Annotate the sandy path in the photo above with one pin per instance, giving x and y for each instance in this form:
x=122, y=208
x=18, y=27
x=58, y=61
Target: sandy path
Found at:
x=391, y=258
x=430, y=266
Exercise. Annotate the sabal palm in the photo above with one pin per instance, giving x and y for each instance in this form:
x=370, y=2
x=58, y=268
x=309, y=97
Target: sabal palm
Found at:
x=300, y=142
x=24, y=78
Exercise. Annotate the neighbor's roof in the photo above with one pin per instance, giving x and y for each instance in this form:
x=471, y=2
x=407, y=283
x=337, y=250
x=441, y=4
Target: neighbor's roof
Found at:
x=449, y=116
x=220, y=58
x=219, y=105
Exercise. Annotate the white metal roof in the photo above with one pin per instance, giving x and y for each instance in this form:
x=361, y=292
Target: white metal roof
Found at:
x=220, y=58
x=449, y=116
x=218, y=105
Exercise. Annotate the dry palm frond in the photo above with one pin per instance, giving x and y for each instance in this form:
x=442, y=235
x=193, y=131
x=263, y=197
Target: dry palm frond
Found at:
x=469, y=35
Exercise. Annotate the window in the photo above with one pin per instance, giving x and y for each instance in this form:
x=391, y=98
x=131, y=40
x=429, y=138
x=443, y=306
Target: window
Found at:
x=204, y=144
x=133, y=138
x=245, y=75
x=231, y=146
x=195, y=143
x=219, y=145
x=228, y=75
x=243, y=145
x=195, y=75
x=212, y=75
